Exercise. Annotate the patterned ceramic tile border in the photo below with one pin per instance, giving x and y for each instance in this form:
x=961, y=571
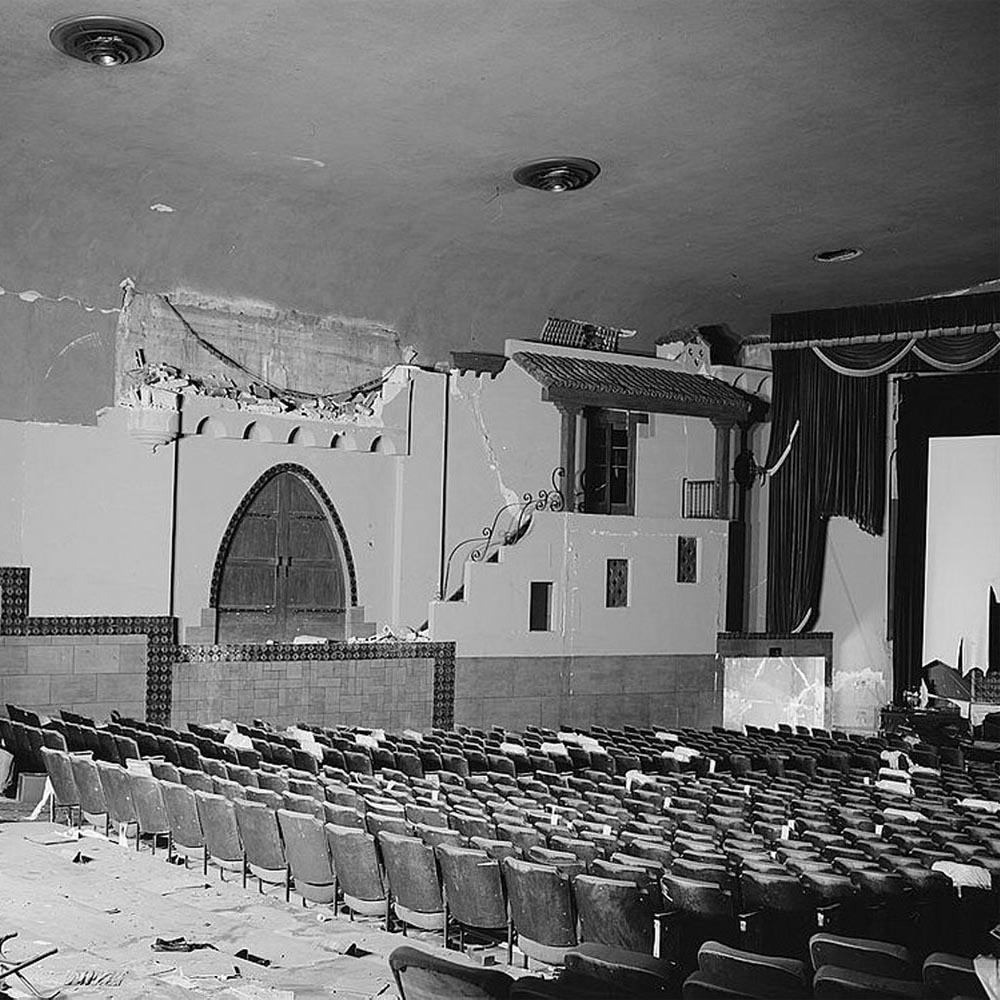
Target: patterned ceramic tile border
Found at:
x=162, y=650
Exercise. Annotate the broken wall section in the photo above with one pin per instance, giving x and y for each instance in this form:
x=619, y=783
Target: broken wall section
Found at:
x=251, y=353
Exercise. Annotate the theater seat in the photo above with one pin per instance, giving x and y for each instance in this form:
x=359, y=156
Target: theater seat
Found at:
x=622, y=973
x=834, y=983
x=877, y=958
x=951, y=976
x=750, y=974
x=423, y=976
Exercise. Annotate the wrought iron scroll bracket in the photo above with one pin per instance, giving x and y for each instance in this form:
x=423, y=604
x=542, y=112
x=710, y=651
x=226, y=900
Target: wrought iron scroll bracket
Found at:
x=491, y=538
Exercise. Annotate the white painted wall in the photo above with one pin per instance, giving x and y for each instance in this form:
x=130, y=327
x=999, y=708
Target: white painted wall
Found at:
x=570, y=550
x=87, y=509
x=853, y=607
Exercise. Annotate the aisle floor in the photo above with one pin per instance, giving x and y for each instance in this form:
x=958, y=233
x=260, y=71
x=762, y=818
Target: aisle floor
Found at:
x=105, y=914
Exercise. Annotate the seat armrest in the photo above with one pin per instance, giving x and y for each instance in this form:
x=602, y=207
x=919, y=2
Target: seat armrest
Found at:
x=827, y=916
x=751, y=929
x=665, y=928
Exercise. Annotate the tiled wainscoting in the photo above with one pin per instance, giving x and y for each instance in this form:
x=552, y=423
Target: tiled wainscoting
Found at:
x=395, y=686
x=677, y=690
x=134, y=665
x=145, y=644
x=88, y=674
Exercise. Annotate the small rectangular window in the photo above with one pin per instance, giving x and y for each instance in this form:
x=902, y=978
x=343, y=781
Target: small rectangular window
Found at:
x=616, y=589
x=687, y=559
x=540, y=612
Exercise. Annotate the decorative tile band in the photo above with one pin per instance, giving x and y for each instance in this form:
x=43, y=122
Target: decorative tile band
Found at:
x=162, y=651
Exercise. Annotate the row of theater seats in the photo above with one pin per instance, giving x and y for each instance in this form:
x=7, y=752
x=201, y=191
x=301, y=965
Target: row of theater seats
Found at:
x=844, y=968
x=714, y=831
x=703, y=864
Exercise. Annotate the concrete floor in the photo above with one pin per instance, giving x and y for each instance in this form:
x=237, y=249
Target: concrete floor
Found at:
x=105, y=914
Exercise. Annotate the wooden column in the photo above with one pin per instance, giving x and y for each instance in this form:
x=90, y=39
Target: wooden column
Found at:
x=567, y=451
x=723, y=429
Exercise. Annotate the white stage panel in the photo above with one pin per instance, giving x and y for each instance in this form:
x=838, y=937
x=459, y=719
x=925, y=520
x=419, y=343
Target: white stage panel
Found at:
x=963, y=548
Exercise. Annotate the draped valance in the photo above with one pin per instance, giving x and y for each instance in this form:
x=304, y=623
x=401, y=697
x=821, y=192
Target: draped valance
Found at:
x=923, y=318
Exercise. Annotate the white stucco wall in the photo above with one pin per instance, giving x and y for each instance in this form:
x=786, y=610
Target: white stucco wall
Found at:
x=570, y=551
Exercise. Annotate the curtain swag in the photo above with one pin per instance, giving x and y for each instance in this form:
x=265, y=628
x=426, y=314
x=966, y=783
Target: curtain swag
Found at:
x=862, y=360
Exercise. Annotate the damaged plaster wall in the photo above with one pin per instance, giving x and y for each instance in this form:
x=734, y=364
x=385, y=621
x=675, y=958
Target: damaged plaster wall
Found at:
x=283, y=350
x=12, y=464
x=213, y=476
x=670, y=449
x=57, y=359
x=570, y=551
x=503, y=442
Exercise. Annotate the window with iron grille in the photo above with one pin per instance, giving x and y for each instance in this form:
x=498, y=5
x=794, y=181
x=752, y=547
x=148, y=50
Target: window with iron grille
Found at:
x=687, y=559
x=698, y=498
x=616, y=592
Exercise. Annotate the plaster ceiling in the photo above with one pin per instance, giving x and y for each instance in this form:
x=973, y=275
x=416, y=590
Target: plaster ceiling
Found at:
x=353, y=157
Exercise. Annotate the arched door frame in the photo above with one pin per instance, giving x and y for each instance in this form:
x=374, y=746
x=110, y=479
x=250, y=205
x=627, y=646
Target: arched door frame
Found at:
x=325, y=503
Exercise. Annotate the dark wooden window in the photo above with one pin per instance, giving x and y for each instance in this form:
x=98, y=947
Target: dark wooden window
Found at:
x=283, y=574
x=616, y=584
x=687, y=559
x=540, y=609
x=609, y=470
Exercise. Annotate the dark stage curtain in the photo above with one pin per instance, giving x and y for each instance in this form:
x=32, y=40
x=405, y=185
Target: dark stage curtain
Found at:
x=957, y=406
x=905, y=319
x=836, y=467
x=835, y=388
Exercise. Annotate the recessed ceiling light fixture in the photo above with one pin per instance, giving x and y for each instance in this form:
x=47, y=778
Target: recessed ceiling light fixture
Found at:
x=106, y=39
x=836, y=256
x=562, y=173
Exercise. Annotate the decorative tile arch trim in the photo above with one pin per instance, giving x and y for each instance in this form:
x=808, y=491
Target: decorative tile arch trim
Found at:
x=248, y=498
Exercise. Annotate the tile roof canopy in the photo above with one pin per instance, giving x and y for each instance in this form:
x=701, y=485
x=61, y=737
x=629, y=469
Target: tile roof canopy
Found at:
x=596, y=382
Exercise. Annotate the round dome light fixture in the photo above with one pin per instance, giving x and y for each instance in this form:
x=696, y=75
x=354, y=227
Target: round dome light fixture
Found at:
x=837, y=256
x=560, y=173
x=106, y=39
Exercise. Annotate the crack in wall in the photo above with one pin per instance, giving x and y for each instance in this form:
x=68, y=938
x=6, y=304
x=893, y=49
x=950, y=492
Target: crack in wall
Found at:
x=472, y=400
x=32, y=295
x=86, y=338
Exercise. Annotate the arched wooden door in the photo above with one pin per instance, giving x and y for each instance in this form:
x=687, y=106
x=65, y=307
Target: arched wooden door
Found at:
x=283, y=574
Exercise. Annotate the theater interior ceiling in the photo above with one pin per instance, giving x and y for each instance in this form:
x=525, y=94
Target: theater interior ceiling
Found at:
x=354, y=158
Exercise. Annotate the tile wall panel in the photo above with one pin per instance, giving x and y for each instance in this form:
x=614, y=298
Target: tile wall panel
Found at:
x=678, y=690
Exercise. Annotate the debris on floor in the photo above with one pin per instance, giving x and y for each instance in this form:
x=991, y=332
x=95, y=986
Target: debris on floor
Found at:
x=179, y=944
